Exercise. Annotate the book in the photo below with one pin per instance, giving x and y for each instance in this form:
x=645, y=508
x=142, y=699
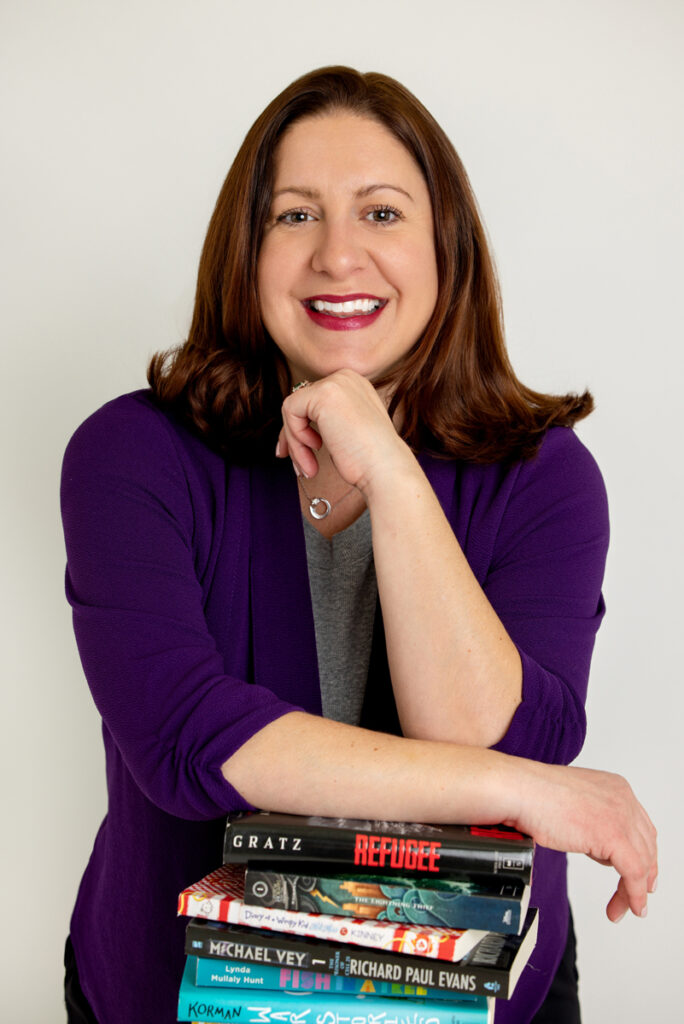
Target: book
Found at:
x=251, y=976
x=386, y=847
x=219, y=896
x=202, y=1003
x=491, y=968
x=499, y=906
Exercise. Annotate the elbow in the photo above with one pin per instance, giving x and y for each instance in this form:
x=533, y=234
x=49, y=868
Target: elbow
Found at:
x=549, y=723
x=471, y=714
x=567, y=730
x=185, y=788
x=552, y=730
x=468, y=730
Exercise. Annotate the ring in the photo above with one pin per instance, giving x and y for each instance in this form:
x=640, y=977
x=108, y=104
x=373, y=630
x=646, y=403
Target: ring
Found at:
x=302, y=384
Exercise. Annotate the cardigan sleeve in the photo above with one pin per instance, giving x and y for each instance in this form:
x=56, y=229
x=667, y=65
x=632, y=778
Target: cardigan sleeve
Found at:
x=154, y=669
x=545, y=584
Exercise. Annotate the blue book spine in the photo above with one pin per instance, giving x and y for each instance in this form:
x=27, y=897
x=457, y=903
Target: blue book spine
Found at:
x=233, y=974
x=215, y=1003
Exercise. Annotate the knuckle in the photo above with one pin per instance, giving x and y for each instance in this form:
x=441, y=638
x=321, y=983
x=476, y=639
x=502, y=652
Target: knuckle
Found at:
x=622, y=788
x=633, y=866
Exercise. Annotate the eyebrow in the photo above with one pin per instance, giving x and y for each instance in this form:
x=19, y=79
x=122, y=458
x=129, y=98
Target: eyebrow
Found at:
x=361, y=193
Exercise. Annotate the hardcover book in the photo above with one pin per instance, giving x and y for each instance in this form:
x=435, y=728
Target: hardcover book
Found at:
x=200, y=1003
x=492, y=968
x=219, y=896
x=499, y=906
x=384, y=847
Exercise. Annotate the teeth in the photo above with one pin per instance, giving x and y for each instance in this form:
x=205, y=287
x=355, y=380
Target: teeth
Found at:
x=350, y=307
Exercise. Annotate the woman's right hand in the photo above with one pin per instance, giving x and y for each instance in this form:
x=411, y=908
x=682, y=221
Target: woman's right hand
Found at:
x=579, y=810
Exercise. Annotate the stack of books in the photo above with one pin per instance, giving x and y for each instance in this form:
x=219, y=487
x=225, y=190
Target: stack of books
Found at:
x=328, y=920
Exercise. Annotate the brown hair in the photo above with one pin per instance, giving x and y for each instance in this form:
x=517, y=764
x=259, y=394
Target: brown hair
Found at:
x=229, y=378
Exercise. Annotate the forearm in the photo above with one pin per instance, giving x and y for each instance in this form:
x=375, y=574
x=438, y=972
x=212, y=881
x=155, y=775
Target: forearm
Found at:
x=456, y=674
x=303, y=764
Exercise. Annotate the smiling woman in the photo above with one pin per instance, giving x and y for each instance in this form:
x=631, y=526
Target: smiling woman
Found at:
x=362, y=229
x=337, y=560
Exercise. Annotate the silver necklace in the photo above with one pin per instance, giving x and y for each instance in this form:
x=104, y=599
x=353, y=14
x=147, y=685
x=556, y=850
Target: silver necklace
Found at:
x=319, y=507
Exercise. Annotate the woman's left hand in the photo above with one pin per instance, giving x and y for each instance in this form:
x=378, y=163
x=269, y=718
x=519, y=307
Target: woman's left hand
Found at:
x=346, y=413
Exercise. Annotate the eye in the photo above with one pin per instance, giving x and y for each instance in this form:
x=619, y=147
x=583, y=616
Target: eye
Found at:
x=294, y=217
x=384, y=215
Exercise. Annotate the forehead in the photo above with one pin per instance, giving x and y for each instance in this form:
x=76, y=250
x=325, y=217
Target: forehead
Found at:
x=343, y=149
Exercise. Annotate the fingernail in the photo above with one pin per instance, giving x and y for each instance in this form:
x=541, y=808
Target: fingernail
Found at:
x=618, y=919
x=644, y=911
x=278, y=450
x=297, y=469
x=655, y=884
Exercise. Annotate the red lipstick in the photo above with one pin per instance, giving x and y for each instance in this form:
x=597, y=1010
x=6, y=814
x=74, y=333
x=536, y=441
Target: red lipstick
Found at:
x=344, y=298
x=338, y=322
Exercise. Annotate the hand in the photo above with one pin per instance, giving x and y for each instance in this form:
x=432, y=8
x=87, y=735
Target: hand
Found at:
x=346, y=413
x=579, y=810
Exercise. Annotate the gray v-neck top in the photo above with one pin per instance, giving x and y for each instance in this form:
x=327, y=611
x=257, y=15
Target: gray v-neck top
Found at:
x=343, y=595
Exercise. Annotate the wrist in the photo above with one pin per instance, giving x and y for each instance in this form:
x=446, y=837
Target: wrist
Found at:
x=486, y=785
x=507, y=787
x=395, y=474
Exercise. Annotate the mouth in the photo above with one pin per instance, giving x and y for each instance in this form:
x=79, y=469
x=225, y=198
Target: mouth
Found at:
x=349, y=305
x=344, y=312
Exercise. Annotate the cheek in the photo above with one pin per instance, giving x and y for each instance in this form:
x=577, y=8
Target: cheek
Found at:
x=276, y=274
x=411, y=265
x=278, y=312
x=270, y=264
x=264, y=280
x=427, y=277
x=417, y=278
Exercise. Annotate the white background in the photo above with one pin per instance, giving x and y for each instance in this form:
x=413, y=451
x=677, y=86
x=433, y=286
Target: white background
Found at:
x=119, y=124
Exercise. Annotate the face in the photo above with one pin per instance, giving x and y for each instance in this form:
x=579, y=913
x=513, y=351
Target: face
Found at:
x=347, y=273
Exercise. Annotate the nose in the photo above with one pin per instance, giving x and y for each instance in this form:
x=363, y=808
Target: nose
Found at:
x=338, y=251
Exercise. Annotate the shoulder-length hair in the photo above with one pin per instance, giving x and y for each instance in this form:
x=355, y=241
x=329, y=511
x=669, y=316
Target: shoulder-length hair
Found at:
x=228, y=380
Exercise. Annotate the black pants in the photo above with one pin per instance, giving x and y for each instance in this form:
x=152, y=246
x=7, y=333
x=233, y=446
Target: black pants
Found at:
x=561, y=1005
x=77, y=1006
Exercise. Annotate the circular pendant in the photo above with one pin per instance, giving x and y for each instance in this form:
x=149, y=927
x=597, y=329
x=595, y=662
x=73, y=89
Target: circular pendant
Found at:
x=314, y=510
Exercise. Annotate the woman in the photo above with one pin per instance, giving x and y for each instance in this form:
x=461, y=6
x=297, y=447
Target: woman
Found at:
x=346, y=325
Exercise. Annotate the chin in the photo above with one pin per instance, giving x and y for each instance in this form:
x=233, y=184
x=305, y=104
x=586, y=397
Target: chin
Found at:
x=363, y=370
x=359, y=361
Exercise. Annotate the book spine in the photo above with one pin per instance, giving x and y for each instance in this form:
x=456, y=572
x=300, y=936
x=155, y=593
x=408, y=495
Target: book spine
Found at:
x=247, y=839
x=204, y=1003
x=449, y=944
x=232, y=974
x=340, y=961
x=384, y=899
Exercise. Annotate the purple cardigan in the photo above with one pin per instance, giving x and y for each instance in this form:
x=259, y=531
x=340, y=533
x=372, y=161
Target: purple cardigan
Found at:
x=191, y=606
